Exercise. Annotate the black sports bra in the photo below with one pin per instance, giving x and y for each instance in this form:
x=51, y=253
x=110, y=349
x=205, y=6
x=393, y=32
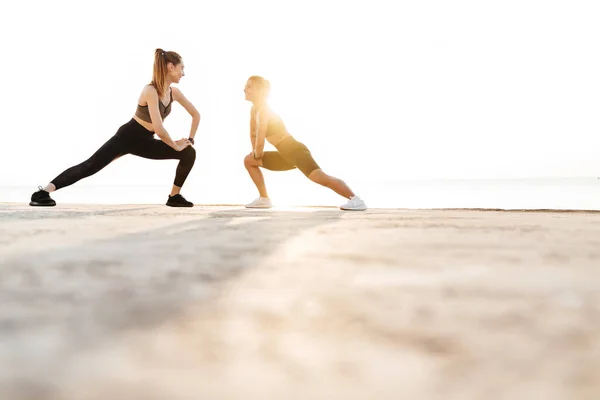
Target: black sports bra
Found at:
x=143, y=113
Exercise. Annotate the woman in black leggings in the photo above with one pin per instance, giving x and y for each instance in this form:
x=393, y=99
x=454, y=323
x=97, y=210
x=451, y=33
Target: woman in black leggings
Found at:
x=137, y=136
x=290, y=154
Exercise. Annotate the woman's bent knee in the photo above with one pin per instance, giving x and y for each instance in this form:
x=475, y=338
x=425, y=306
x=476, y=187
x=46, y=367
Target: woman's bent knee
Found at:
x=188, y=154
x=250, y=162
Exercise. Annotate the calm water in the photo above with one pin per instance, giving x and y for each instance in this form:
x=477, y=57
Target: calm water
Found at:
x=551, y=193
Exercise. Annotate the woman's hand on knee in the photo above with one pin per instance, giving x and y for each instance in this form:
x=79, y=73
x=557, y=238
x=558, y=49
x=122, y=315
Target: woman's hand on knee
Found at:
x=250, y=161
x=183, y=143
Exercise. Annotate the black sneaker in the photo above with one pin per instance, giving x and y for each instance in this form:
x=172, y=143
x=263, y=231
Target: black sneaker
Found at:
x=41, y=198
x=179, y=201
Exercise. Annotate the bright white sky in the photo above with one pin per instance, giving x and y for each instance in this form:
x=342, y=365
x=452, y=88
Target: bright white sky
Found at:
x=376, y=89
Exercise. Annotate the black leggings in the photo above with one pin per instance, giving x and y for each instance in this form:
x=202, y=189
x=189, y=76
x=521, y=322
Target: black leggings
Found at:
x=131, y=138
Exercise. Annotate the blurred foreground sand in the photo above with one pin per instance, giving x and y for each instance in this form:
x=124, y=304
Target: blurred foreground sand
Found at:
x=149, y=302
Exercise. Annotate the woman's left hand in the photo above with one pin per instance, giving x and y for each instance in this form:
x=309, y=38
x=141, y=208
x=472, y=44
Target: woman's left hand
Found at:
x=183, y=143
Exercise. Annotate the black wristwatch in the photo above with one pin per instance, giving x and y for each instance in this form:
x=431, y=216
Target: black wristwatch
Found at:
x=191, y=140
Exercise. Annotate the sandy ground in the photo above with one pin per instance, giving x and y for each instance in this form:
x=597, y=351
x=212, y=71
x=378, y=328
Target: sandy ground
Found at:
x=149, y=302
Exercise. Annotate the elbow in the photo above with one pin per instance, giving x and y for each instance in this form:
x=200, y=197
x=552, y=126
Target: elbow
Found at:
x=196, y=116
x=160, y=131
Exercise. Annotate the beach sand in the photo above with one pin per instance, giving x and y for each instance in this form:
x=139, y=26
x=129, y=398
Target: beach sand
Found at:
x=149, y=302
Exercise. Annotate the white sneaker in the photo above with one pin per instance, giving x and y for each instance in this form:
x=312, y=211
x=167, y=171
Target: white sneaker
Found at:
x=354, y=204
x=261, y=202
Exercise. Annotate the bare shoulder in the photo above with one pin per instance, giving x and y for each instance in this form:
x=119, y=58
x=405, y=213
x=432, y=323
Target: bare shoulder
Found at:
x=176, y=92
x=178, y=96
x=148, y=91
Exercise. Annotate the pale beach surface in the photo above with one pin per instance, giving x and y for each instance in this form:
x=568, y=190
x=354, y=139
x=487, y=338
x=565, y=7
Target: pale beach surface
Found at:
x=149, y=302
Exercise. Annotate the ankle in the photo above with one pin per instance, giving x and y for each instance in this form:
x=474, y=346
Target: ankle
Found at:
x=175, y=190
